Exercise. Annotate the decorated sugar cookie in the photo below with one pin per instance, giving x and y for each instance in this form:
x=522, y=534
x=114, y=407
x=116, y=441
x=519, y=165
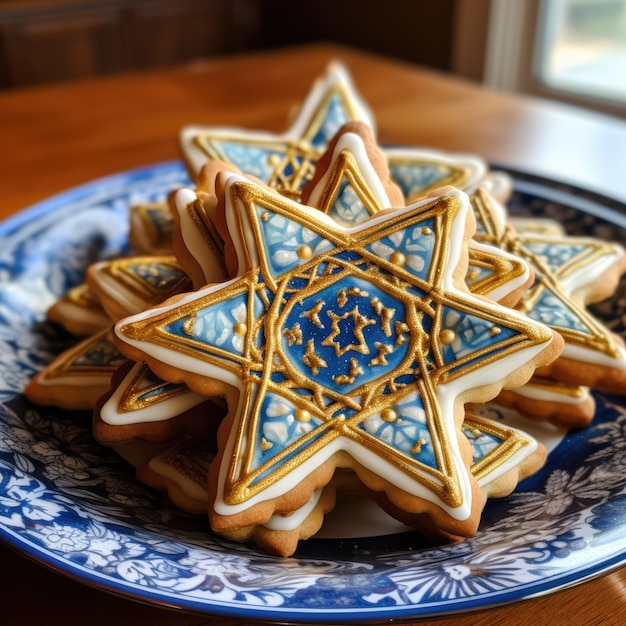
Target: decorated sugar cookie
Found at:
x=546, y=399
x=131, y=284
x=151, y=227
x=332, y=336
x=570, y=273
x=77, y=377
x=80, y=312
x=352, y=182
x=287, y=161
x=501, y=456
x=141, y=406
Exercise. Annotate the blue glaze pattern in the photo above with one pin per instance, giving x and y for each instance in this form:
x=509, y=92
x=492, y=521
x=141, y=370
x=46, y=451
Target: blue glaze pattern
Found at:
x=413, y=178
x=75, y=507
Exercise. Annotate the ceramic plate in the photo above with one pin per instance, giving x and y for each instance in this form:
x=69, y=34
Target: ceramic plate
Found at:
x=75, y=507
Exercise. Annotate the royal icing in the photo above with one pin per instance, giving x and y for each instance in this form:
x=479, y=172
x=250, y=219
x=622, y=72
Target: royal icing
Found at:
x=308, y=405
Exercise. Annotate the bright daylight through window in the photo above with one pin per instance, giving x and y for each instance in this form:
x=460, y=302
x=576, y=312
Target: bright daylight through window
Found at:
x=582, y=48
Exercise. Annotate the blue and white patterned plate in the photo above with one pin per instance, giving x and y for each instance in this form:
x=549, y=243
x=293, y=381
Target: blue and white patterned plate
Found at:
x=76, y=507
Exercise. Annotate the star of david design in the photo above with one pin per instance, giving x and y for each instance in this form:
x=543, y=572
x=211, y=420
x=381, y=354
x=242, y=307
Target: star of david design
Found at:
x=250, y=333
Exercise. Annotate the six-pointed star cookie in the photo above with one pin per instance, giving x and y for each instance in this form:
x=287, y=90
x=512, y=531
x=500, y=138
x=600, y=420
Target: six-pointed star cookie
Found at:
x=287, y=161
x=570, y=273
x=284, y=161
x=415, y=346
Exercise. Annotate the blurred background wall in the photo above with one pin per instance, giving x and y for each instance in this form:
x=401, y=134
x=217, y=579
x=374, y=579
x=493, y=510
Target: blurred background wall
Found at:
x=572, y=50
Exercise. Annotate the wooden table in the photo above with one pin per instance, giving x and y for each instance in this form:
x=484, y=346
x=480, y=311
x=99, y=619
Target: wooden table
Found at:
x=55, y=137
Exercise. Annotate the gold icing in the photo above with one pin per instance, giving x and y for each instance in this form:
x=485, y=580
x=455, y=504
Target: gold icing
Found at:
x=359, y=322
x=397, y=258
x=417, y=446
x=305, y=252
x=302, y=415
x=240, y=328
x=447, y=336
x=139, y=391
x=312, y=360
x=383, y=350
x=512, y=441
x=388, y=415
x=347, y=379
x=244, y=479
x=313, y=314
x=293, y=335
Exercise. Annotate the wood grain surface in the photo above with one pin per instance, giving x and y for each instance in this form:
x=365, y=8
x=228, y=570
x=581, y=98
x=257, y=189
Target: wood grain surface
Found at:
x=55, y=137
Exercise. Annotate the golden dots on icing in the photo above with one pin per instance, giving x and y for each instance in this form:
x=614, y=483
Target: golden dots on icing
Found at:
x=240, y=328
x=388, y=415
x=417, y=446
x=265, y=444
x=188, y=324
x=302, y=415
x=447, y=336
x=426, y=230
x=472, y=274
x=305, y=252
x=265, y=216
x=495, y=330
x=397, y=258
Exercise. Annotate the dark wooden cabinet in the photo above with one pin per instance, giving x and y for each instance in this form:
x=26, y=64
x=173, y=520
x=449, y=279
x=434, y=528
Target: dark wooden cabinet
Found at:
x=45, y=41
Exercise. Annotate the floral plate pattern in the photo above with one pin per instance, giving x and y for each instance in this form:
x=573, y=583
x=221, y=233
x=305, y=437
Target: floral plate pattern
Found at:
x=75, y=506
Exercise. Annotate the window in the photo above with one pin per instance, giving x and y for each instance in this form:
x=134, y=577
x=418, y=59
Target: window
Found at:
x=582, y=48
x=570, y=50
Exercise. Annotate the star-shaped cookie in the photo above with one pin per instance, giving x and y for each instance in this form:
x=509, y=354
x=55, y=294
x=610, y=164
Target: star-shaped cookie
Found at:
x=379, y=389
x=287, y=161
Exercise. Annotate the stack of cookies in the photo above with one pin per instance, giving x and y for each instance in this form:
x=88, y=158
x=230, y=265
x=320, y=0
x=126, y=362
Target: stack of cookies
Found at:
x=320, y=318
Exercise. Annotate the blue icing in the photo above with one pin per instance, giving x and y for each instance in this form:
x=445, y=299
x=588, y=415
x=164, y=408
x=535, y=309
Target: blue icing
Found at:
x=343, y=338
x=415, y=177
x=482, y=443
x=159, y=276
x=477, y=273
x=278, y=428
x=250, y=160
x=554, y=311
x=102, y=354
x=348, y=208
x=556, y=255
x=471, y=335
x=214, y=326
x=335, y=117
x=415, y=242
x=407, y=431
x=283, y=240
x=161, y=220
